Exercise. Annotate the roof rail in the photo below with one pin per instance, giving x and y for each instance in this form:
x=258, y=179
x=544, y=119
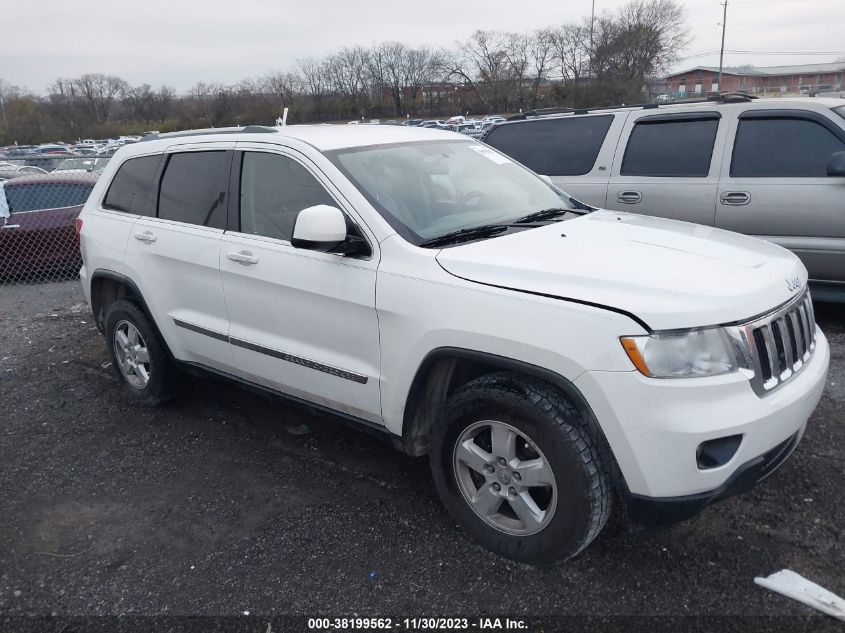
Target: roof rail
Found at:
x=732, y=97
x=248, y=129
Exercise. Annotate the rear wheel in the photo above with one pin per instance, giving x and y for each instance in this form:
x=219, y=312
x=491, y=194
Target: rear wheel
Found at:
x=138, y=354
x=518, y=467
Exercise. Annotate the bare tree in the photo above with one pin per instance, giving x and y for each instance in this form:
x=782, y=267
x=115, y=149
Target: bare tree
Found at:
x=99, y=92
x=541, y=44
x=314, y=85
x=571, y=46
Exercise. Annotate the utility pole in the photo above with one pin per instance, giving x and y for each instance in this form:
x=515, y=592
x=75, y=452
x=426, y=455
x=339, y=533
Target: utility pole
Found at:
x=722, y=51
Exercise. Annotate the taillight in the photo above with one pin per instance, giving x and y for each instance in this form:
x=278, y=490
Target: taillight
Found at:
x=78, y=225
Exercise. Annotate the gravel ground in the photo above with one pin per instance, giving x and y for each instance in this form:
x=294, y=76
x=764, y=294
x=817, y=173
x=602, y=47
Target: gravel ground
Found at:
x=214, y=505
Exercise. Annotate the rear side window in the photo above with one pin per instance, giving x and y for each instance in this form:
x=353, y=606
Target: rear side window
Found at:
x=274, y=189
x=130, y=189
x=40, y=196
x=553, y=147
x=767, y=148
x=671, y=148
x=193, y=188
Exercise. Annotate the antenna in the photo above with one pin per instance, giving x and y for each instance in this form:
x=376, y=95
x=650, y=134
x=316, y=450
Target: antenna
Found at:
x=722, y=51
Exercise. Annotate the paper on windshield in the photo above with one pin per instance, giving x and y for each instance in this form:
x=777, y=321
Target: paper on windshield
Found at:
x=4, y=204
x=490, y=154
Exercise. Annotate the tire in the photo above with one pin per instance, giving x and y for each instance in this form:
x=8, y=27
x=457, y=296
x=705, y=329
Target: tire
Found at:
x=572, y=491
x=148, y=358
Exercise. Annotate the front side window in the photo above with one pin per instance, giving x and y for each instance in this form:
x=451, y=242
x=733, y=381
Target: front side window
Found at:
x=274, y=189
x=430, y=188
x=130, y=189
x=783, y=147
x=193, y=188
x=670, y=148
x=566, y=146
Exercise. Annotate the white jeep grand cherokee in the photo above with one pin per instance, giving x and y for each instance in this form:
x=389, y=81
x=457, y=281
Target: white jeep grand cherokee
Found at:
x=545, y=354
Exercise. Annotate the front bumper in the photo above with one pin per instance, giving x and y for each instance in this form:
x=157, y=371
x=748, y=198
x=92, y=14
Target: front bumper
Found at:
x=649, y=512
x=654, y=427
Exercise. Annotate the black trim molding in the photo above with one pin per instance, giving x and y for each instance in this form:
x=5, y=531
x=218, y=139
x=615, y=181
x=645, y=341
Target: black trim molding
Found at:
x=290, y=358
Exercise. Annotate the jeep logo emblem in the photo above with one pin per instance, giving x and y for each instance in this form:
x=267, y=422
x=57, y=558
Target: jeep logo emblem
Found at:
x=793, y=284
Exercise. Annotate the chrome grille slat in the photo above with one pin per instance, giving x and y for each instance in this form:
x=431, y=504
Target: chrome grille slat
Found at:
x=780, y=344
x=798, y=337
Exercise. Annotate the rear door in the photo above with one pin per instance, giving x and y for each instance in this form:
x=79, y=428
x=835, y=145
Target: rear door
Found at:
x=775, y=185
x=668, y=165
x=574, y=151
x=174, y=256
x=302, y=322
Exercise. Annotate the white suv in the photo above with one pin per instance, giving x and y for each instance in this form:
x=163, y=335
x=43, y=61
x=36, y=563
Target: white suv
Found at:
x=543, y=353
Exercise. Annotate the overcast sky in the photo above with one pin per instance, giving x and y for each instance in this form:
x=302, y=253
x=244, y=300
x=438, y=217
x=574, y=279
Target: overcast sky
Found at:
x=180, y=42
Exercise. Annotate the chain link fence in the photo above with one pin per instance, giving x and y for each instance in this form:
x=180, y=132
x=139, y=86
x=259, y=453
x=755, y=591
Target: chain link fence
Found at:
x=40, y=198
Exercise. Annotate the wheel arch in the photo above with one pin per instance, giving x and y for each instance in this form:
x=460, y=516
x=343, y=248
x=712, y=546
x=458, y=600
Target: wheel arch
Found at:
x=107, y=287
x=445, y=369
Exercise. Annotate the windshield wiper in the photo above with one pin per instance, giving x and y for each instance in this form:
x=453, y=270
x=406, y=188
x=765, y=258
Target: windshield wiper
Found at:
x=544, y=214
x=463, y=235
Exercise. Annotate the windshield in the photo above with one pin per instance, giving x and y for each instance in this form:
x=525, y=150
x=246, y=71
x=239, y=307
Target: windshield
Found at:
x=427, y=189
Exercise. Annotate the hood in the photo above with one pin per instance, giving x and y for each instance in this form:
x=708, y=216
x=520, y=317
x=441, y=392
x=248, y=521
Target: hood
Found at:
x=667, y=273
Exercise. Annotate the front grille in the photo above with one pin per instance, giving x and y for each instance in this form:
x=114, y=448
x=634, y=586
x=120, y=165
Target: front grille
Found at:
x=780, y=343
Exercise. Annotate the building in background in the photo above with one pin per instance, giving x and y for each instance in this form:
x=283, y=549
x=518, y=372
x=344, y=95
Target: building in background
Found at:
x=806, y=79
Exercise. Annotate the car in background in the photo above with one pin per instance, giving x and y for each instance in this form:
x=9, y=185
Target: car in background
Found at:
x=87, y=164
x=664, y=98
x=38, y=234
x=438, y=123
x=14, y=167
x=770, y=168
x=412, y=122
x=49, y=148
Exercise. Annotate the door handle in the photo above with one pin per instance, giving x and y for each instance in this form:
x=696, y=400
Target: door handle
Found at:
x=243, y=257
x=735, y=197
x=629, y=197
x=147, y=237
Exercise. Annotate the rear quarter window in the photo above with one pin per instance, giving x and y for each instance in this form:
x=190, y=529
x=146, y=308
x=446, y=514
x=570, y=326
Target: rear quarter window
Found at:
x=131, y=186
x=553, y=147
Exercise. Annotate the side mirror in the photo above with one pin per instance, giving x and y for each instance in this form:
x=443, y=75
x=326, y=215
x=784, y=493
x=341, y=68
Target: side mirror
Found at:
x=836, y=165
x=319, y=228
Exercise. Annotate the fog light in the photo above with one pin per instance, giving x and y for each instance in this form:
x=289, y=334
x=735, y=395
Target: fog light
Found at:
x=718, y=452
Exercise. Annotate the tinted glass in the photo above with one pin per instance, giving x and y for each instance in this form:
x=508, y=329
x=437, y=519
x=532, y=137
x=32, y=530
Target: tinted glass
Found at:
x=193, y=189
x=553, y=147
x=670, y=148
x=782, y=147
x=132, y=184
x=274, y=189
x=38, y=196
x=840, y=111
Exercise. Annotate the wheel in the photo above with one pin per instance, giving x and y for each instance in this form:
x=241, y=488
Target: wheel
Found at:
x=138, y=354
x=517, y=466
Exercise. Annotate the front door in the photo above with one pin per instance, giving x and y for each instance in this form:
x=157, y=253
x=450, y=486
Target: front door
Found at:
x=775, y=186
x=301, y=322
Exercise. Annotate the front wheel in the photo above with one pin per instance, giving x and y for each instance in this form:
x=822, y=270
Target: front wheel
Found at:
x=518, y=468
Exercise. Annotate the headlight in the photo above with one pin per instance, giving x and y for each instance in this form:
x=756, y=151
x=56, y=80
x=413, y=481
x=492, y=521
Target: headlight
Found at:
x=684, y=354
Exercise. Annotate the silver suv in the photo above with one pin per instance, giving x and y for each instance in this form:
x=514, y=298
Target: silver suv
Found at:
x=771, y=168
